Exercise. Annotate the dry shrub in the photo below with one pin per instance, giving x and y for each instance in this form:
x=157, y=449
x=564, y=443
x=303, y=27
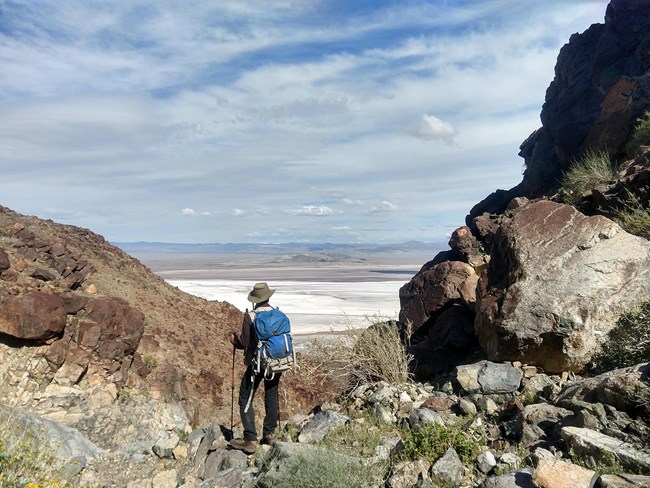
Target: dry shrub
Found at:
x=593, y=169
x=628, y=342
x=361, y=356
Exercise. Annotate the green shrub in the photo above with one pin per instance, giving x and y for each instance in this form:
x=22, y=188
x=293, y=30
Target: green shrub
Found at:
x=324, y=469
x=593, y=169
x=640, y=135
x=634, y=217
x=360, y=436
x=628, y=343
x=431, y=442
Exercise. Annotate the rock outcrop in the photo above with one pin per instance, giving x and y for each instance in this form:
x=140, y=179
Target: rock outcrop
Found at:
x=84, y=328
x=558, y=278
x=601, y=87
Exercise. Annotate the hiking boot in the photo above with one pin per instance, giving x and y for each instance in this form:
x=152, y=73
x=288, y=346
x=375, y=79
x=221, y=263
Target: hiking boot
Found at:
x=249, y=447
x=269, y=440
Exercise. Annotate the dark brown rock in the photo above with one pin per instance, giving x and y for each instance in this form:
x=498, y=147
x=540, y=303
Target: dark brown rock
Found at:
x=601, y=87
x=56, y=353
x=42, y=274
x=432, y=290
x=89, y=334
x=35, y=316
x=73, y=302
x=466, y=247
x=118, y=321
x=57, y=250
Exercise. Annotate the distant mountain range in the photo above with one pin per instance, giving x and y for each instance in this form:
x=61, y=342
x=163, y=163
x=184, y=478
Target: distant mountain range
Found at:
x=283, y=248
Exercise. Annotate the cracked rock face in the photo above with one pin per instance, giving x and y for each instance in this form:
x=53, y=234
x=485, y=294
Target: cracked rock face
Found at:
x=557, y=283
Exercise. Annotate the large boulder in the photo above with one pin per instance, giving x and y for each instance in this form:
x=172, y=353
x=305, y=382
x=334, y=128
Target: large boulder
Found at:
x=35, y=316
x=556, y=284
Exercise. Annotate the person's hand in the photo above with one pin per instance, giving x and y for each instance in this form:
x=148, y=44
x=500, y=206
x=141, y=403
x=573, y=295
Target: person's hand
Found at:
x=232, y=338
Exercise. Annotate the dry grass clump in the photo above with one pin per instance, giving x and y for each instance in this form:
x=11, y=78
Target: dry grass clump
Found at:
x=635, y=217
x=593, y=169
x=323, y=469
x=628, y=342
x=362, y=356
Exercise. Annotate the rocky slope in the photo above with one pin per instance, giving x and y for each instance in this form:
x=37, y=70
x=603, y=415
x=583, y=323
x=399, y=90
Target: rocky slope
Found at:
x=81, y=322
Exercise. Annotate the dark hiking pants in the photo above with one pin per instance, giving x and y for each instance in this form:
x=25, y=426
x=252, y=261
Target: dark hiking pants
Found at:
x=250, y=383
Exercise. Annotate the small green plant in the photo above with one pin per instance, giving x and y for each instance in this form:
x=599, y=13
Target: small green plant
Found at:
x=323, y=468
x=150, y=361
x=604, y=462
x=628, y=343
x=27, y=461
x=640, y=135
x=124, y=394
x=431, y=441
x=360, y=436
x=635, y=217
x=593, y=169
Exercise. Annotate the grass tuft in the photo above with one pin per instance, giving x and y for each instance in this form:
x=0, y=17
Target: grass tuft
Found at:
x=634, y=217
x=362, y=356
x=431, y=442
x=325, y=469
x=628, y=343
x=640, y=135
x=593, y=169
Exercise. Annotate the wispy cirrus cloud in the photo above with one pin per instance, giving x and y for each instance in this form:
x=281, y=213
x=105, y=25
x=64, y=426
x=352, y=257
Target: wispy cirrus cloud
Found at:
x=140, y=107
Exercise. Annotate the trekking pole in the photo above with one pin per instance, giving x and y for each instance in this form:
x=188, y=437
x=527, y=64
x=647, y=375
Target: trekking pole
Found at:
x=232, y=394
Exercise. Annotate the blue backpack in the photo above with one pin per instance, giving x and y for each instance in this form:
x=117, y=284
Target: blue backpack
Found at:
x=275, y=351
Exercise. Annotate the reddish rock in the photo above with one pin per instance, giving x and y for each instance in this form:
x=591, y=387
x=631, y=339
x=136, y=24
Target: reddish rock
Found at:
x=430, y=291
x=56, y=353
x=57, y=250
x=42, y=274
x=89, y=334
x=73, y=302
x=438, y=404
x=35, y=316
x=118, y=321
x=112, y=349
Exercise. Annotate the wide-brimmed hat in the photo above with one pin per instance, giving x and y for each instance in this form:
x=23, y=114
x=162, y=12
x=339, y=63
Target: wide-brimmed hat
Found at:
x=260, y=293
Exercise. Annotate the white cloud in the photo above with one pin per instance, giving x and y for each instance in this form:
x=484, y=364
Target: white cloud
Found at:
x=383, y=206
x=314, y=211
x=194, y=213
x=432, y=128
x=238, y=212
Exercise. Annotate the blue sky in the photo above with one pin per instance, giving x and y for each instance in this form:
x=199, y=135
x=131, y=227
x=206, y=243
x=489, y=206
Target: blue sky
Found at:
x=271, y=121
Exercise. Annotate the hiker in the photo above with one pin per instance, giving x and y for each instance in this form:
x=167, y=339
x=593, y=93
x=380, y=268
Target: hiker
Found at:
x=247, y=340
